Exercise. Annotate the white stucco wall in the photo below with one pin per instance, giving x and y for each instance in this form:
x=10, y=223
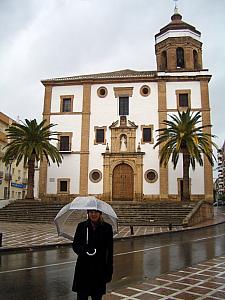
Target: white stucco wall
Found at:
x=142, y=111
x=69, y=169
x=76, y=90
x=105, y=111
x=196, y=176
x=171, y=88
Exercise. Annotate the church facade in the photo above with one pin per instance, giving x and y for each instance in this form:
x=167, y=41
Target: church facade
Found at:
x=107, y=124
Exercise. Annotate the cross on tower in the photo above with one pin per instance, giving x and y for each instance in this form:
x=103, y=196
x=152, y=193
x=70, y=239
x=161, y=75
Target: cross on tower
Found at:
x=175, y=7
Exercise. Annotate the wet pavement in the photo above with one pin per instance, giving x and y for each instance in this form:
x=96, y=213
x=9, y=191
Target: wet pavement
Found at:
x=205, y=280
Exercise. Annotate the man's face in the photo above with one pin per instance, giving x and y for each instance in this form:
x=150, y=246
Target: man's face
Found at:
x=94, y=215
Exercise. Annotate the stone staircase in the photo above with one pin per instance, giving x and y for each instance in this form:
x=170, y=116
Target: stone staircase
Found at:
x=152, y=213
x=129, y=213
x=30, y=211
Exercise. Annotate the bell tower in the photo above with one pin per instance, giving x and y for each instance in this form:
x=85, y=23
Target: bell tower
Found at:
x=178, y=46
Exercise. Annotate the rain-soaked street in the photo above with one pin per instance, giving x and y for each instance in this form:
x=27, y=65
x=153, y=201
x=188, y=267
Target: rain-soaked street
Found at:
x=47, y=274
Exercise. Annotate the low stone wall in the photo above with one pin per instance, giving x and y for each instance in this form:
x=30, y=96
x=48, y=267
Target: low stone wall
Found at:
x=203, y=211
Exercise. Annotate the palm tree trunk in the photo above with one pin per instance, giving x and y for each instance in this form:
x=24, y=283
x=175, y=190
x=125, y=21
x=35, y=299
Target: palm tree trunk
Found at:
x=30, y=186
x=186, y=166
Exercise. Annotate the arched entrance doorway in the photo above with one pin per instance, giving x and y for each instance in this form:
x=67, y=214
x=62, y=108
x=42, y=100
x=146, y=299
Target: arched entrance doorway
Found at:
x=123, y=183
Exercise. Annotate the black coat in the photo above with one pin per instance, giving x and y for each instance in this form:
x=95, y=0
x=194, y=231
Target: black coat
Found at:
x=93, y=272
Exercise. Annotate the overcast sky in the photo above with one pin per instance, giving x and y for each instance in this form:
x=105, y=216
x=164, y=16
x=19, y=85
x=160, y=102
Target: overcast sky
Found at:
x=42, y=39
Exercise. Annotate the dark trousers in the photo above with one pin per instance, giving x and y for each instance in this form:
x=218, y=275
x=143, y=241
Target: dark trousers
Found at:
x=83, y=296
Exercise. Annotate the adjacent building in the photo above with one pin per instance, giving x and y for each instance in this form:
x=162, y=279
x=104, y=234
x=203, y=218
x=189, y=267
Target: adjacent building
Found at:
x=13, y=179
x=107, y=125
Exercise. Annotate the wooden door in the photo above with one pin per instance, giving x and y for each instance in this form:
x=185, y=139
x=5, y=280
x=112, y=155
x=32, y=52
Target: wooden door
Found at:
x=123, y=183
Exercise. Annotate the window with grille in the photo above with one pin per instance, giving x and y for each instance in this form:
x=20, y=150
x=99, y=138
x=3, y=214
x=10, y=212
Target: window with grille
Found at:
x=100, y=136
x=183, y=100
x=64, y=144
x=147, y=134
x=66, y=105
x=123, y=106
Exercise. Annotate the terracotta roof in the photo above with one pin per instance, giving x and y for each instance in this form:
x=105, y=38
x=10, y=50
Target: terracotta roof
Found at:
x=109, y=75
x=177, y=24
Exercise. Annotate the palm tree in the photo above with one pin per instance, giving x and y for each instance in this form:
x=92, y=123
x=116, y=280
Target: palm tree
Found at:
x=183, y=134
x=30, y=142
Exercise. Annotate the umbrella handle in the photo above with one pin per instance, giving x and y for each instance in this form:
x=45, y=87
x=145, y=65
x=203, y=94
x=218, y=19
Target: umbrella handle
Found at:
x=91, y=254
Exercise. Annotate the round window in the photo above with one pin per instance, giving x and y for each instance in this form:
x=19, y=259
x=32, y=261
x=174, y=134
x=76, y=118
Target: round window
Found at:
x=151, y=176
x=145, y=90
x=95, y=175
x=102, y=92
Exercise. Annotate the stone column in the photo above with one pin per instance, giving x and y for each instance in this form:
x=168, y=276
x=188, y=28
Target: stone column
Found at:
x=208, y=173
x=85, y=132
x=163, y=171
x=43, y=171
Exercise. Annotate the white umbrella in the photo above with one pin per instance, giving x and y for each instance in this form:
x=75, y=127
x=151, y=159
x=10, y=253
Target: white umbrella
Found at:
x=74, y=212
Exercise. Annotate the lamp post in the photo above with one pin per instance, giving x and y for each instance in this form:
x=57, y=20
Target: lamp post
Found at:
x=10, y=175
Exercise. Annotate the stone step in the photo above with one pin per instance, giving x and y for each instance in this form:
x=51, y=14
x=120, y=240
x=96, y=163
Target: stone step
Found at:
x=129, y=213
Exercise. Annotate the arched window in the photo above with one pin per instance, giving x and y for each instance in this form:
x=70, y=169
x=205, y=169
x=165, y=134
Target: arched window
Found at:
x=180, y=57
x=164, y=60
x=195, y=59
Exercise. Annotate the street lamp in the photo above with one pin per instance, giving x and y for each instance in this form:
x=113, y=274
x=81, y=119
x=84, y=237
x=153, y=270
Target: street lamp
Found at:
x=10, y=175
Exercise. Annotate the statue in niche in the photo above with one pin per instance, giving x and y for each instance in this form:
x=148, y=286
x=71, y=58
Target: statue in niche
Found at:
x=123, y=143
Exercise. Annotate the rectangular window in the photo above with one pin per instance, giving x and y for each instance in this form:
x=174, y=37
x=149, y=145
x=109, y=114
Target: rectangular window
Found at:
x=100, y=136
x=147, y=135
x=63, y=186
x=123, y=106
x=64, y=143
x=183, y=100
x=66, y=105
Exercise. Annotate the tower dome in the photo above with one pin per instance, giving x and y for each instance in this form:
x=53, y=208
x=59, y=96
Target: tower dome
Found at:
x=178, y=46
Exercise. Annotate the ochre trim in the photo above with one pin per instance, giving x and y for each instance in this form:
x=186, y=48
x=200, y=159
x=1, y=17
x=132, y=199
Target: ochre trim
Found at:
x=85, y=135
x=208, y=173
x=47, y=100
x=131, y=80
x=62, y=97
x=152, y=139
x=43, y=171
x=95, y=129
x=163, y=171
x=123, y=91
x=179, y=92
x=58, y=186
x=144, y=88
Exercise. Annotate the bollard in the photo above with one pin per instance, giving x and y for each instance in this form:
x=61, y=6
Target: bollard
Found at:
x=170, y=226
x=131, y=229
x=0, y=239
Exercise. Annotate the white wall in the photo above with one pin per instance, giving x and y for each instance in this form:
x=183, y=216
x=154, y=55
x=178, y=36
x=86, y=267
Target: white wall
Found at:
x=171, y=88
x=105, y=111
x=76, y=90
x=142, y=111
x=70, y=168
